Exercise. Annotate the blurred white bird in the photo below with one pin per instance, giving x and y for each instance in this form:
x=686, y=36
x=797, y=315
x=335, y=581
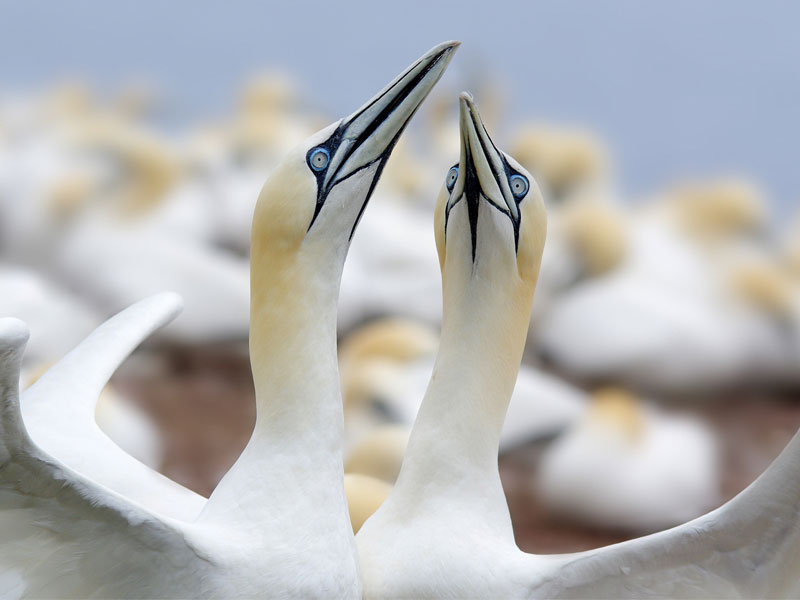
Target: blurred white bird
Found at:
x=566, y=161
x=627, y=465
x=666, y=317
x=115, y=266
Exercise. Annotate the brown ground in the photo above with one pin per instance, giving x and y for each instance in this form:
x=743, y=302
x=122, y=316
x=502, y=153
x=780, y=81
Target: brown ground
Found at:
x=203, y=402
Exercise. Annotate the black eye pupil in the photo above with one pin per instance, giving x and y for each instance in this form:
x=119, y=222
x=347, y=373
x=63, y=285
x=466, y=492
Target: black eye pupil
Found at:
x=319, y=160
x=518, y=185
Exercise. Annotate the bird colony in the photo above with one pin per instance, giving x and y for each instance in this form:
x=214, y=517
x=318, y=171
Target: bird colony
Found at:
x=416, y=304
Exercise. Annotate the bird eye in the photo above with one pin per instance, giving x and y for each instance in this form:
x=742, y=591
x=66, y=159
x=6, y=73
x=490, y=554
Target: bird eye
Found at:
x=318, y=159
x=452, y=177
x=519, y=185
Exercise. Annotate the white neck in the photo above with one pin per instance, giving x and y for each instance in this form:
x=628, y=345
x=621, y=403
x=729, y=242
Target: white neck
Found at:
x=290, y=474
x=454, y=445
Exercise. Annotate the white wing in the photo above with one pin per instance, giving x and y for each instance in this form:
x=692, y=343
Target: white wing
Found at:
x=61, y=534
x=59, y=411
x=749, y=547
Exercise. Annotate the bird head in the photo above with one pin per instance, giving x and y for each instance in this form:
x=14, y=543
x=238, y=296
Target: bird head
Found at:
x=490, y=219
x=312, y=202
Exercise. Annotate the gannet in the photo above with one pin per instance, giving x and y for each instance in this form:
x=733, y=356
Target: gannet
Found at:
x=395, y=246
x=565, y=160
x=627, y=465
x=228, y=162
x=671, y=319
x=277, y=524
x=76, y=382
x=58, y=321
x=96, y=205
x=445, y=530
x=587, y=239
x=118, y=416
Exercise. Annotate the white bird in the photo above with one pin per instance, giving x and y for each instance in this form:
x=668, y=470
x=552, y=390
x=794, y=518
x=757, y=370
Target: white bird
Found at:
x=445, y=530
x=67, y=429
x=566, y=161
x=277, y=524
x=396, y=247
x=628, y=465
x=666, y=318
x=115, y=266
x=58, y=320
x=117, y=416
x=269, y=123
x=95, y=206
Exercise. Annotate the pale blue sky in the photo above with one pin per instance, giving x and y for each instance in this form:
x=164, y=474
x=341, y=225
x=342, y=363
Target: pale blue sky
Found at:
x=686, y=87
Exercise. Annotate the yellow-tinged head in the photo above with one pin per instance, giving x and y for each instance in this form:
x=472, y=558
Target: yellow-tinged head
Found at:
x=309, y=207
x=566, y=159
x=767, y=285
x=597, y=232
x=396, y=339
x=619, y=409
x=719, y=208
x=315, y=197
x=69, y=194
x=146, y=167
x=490, y=220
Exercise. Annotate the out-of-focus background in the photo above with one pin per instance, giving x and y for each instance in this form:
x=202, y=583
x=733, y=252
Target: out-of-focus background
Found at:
x=662, y=371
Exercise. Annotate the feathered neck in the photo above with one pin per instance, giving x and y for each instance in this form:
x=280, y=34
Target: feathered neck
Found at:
x=290, y=473
x=454, y=445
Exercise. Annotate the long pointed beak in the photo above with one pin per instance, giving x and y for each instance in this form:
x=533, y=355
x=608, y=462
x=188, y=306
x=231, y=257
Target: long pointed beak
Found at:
x=369, y=134
x=481, y=162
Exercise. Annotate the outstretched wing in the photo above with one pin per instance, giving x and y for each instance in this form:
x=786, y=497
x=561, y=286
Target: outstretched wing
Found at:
x=58, y=411
x=749, y=547
x=61, y=534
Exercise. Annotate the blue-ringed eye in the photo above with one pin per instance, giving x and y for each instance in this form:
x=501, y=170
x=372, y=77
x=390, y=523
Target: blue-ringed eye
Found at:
x=318, y=159
x=452, y=177
x=519, y=185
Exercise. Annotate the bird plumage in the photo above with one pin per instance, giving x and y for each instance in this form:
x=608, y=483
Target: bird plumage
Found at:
x=445, y=530
x=277, y=523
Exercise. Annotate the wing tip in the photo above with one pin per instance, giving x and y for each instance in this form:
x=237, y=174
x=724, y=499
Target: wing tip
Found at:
x=14, y=334
x=168, y=304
